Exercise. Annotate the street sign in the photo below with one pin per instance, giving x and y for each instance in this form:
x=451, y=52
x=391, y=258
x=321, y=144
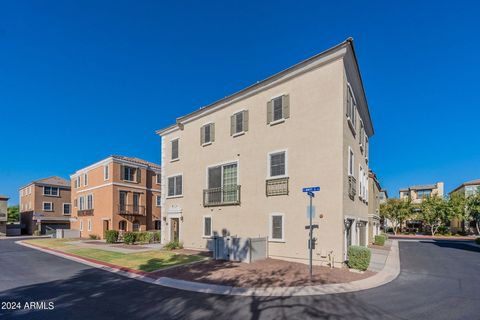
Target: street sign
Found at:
x=311, y=189
x=314, y=226
x=311, y=194
x=311, y=211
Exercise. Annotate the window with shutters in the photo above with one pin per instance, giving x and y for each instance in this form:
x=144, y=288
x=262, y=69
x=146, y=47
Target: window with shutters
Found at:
x=277, y=164
x=239, y=123
x=174, y=150
x=207, y=226
x=81, y=203
x=130, y=174
x=351, y=109
x=207, y=134
x=89, y=201
x=278, y=109
x=175, y=187
x=351, y=162
x=276, y=227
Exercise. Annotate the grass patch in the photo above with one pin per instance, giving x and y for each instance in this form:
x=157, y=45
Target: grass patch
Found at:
x=147, y=261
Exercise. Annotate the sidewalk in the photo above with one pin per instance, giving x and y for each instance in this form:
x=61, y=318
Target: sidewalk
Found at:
x=379, y=257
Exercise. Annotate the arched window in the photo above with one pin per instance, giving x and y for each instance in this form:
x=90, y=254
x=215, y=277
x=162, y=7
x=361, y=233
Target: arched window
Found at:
x=136, y=225
x=122, y=225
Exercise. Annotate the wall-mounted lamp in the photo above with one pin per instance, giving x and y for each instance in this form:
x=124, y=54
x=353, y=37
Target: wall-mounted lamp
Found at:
x=164, y=218
x=181, y=218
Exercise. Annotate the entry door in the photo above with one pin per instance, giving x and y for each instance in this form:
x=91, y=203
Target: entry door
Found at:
x=105, y=227
x=174, y=229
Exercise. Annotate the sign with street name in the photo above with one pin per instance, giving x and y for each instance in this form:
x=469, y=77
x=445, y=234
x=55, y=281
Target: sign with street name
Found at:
x=311, y=189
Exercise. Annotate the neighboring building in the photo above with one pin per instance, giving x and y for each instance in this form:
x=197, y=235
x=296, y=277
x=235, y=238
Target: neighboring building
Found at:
x=45, y=205
x=374, y=198
x=466, y=189
x=237, y=166
x=3, y=215
x=383, y=196
x=417, y=193
x=117, y=193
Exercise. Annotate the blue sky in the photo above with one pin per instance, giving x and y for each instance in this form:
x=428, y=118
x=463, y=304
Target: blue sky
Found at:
x=80, y=80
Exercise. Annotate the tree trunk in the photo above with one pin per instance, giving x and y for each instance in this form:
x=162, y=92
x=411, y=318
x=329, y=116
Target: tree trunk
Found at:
x=477, y=224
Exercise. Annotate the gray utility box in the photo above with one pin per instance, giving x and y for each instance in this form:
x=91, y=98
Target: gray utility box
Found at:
x=67, y=233
x=240, y=249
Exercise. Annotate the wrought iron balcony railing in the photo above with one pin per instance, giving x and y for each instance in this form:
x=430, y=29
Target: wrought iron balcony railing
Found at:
x=130, y=209
x=276, y=187
x=85, y=212
x=221, y=196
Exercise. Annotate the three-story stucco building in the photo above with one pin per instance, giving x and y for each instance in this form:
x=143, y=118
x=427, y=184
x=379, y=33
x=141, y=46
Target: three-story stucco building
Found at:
x=237, y=166
x=116, y=193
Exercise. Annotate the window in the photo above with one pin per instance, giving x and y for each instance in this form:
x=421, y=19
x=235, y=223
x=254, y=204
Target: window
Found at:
x=47, y=206
x=158, y=224
x=66, y=208
x=81, y=225
x=351, y=107
x=122, y=225
x=277, y=164
x=278, y=109
x=89, y=201
x=351, y=162
x=159, y=178
x=77, y=182
x=136, y=225
x=85, y=179
x=366, y=147
x=222, y=183
x=360, y=185
x=362, y=136
x=106, y=173
x=207, y=226
x=158, y=201
x=122, y=200
x=207, y=134
x=239, y=123
x=130, y=174
x=174, y=149
x=175, y=186
x=136, y=202
x=50, y=191
x=81, y=203
x=424, y=194
x=89, y=224
x=75, y=202
x=276, y=227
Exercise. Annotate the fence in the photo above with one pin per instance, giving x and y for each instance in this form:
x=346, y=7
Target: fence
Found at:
x=240, y=249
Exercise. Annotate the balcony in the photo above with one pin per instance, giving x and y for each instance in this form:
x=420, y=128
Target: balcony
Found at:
x=86, y=212
x=226, y=196
x=131, y=210
x=276, y=187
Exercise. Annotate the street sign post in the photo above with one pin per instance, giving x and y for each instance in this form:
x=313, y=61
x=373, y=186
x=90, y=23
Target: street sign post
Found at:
x=310, y=192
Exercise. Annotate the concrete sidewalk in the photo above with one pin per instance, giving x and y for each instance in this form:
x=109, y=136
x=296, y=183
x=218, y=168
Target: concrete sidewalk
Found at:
x=379, y=257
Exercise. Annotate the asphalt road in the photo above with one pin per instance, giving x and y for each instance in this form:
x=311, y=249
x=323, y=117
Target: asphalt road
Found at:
x=438, y=280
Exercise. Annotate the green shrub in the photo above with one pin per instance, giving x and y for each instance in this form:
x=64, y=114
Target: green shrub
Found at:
x=111, y=236
x=359, y=257
x=36, y=233
x=477, y=240
x=379, y=240
x=93, y=237
x=156, y=236
x=130, y=237
x=144, y=237
x=172, y=245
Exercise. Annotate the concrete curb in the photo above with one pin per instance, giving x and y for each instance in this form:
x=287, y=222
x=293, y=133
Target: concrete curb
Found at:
x=390, y=272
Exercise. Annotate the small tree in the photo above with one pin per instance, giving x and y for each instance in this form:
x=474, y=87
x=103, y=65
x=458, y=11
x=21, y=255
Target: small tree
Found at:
x=435, y=212
x=473, y=209
x=13, y=214
x=457, y=205
x=397, y=211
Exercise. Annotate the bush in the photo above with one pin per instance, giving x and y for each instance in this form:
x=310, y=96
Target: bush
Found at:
x=93, y=237
x=144, y=237
x=156, y=236
x=379, y=240
x=130, y=237
x=172, y=245
x=477, y=240
x=36, y=233
x=359, y=257
x=111, y=236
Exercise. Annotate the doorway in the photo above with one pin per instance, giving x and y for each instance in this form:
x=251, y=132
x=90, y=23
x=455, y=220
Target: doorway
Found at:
x=174, y=229
x=105, y=227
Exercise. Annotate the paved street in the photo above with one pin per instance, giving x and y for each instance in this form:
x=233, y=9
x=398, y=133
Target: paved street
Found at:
x=438, y=280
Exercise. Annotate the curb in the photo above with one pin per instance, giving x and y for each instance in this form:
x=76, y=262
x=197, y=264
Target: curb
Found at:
x=390, y=272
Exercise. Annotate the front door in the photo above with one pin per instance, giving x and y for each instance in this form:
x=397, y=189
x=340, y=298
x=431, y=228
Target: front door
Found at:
x=105, y=227
x=174, y=229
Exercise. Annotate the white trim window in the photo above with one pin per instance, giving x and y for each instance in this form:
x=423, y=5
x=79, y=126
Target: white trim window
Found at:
x=85, y=179
x=351, y=162
x=361, y=177
x=277, y=227
x=81, y=225
x=207, y=227
x=77, y=182
x=81, y=203
x=207, y=134
x=47, y=206
x=278, y=109
x=174, y=148
x=351, y=107
x=89, y=201
x=50, y=191
x=239, y=123
x=106, y=173
x=131, y=174
x=67, y=209
x=158, y=178
x=175, y=186
x=158, y=201
x=89, y=224
x=277, y=164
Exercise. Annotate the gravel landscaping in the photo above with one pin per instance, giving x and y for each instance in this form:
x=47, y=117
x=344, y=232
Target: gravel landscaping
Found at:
x=266, y=273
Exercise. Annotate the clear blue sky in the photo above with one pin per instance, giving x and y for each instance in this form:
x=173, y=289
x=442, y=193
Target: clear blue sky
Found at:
x=80, y=80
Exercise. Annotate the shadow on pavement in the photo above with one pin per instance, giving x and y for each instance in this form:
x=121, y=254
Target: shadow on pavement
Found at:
x=454, y=245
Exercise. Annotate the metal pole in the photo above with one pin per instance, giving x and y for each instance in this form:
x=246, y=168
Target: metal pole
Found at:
x=311, y=244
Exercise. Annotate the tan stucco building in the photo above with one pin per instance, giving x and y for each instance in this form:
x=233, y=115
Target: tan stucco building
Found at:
x=45, y=205
x=237, y=166
x=417, y=193
x=116, y=193
x=375, y=198
x=466, y=189
x=3, y=215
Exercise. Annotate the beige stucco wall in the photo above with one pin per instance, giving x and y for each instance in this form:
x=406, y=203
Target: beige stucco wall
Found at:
x=316, y=138
x=3, y=217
